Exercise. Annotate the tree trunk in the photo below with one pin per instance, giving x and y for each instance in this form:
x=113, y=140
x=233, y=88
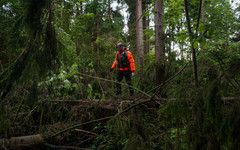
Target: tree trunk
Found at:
x=139, y=31
x=29, y=140
x=203, y=16
x=78, y=37
x=192, y=48
x=203, y=11
x=159, y=40
x=110, y=14
x=81, y=7
x=98, y=55
x=109, y=8
x=145, y=27
x=61, y=17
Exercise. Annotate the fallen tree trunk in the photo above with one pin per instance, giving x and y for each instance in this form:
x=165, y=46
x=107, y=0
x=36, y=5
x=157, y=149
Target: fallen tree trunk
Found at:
x=126, y=101
x=29, y=140
x=32, y=140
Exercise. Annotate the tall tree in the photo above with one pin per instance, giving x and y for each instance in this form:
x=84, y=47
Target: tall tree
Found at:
x=97, y=44
x=159, y=39
x=139, y=31
x=145, y=26
x=195, y=74
x=79, y=11
x=203, y=16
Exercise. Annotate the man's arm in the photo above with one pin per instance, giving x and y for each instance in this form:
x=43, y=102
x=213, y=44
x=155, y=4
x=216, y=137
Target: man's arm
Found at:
x=114, y=63
x=131, y=61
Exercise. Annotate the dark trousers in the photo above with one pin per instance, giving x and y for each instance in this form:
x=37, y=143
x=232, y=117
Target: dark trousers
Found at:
x=127, y=75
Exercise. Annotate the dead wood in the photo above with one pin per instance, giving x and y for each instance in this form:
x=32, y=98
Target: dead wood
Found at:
x=29, y=140
x=32, y=140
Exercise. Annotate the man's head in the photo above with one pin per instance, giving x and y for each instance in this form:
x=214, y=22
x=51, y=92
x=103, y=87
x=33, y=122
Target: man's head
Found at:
x=119, y=47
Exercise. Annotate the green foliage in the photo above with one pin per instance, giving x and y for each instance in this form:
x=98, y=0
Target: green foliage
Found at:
x=182, y=37
x=69, y=47
x=62, y=84
x=102, y=141
x=94, y=91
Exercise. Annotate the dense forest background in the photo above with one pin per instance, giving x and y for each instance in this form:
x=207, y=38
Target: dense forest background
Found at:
x=57, y=92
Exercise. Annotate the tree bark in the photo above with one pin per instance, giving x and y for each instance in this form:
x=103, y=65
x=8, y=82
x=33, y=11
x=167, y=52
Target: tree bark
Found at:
x=29, y=140
x=78, y=37
x=195, y=75
x=203, y=16
x=145, y=27
x=81, y=7
x=98, y=55
x=159, y=40
x=62, y=6
x=139, y=31
x=109, y=9
x=199, y=16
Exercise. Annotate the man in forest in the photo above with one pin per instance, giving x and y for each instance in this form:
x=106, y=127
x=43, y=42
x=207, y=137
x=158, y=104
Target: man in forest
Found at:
x=125, y=62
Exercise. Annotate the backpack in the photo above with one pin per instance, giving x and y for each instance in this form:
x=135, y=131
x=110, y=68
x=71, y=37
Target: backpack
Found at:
x=123, y=61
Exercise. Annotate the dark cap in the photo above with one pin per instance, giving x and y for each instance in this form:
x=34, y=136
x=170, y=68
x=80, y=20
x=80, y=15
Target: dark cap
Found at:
x=119, y=45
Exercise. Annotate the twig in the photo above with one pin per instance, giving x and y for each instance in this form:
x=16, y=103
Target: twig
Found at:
x=29, y=114
x=80, y=130
x=88, y=139
x=127, y=109
x=81, y=124
x=19, y=108
x=64, y=147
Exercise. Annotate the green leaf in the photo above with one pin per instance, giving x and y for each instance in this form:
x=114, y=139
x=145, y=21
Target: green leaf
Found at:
x=182, y=37
x=195, y=44
x=98, y=40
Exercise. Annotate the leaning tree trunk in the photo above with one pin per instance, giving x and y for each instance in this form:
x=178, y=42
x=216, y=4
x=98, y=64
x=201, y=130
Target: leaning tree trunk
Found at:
x=139, y=31
x=159, y=40
x=195, y=75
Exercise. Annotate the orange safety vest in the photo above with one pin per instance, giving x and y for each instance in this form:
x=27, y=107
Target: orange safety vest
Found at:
x=124, y=60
